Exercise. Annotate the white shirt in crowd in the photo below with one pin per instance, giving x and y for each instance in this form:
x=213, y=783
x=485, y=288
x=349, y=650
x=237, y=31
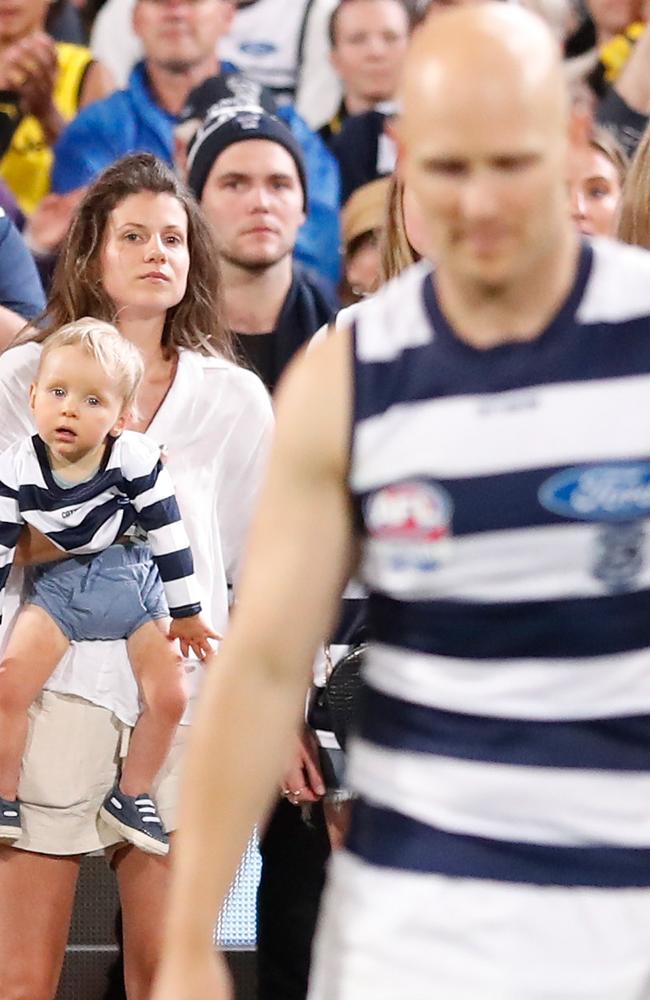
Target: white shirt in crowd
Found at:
x=264, y=43
x=215, y=424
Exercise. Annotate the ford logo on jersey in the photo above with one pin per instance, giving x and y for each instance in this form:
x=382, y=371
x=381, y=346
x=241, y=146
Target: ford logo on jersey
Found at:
x=599, y=492
x=258, y=48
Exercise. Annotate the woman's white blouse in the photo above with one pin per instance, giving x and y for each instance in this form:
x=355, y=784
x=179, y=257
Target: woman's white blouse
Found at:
x=215, y=424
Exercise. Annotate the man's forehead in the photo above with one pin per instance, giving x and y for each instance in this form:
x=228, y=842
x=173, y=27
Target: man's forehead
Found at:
x=470, y=53
x=480, y=123
x=255, y=157
x=370, y=11
x=470, y=110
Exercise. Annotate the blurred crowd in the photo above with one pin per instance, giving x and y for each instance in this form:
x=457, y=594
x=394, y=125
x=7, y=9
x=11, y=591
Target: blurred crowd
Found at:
x=277, y=114
x=84, y=82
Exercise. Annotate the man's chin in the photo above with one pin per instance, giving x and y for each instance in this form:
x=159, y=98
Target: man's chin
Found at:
x=257, y=262
x=491, y=271
x=178, y=67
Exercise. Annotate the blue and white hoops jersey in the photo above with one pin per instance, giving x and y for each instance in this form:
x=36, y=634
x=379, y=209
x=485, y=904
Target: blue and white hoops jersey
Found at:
x=504, y=501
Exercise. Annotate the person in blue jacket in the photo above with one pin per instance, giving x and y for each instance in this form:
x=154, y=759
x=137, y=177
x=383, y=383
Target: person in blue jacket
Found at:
x=143, y=117
x=21, y=294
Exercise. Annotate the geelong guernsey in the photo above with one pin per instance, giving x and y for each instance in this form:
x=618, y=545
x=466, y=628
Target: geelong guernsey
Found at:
x=265, y=42
x=131, y=486
x=504, y=498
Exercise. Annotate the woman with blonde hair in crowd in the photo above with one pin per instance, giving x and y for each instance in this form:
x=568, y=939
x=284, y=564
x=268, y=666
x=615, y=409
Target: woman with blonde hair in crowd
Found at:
x=138, y=254
x=634, y=224
x=597, y=170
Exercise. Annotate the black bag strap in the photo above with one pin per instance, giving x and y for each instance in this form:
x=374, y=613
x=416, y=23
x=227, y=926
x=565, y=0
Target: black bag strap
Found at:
x=301, y=43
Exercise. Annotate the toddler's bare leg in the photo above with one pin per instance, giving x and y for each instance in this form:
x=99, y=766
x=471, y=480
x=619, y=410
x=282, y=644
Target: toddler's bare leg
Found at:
x=35, y=647
x=159, y=673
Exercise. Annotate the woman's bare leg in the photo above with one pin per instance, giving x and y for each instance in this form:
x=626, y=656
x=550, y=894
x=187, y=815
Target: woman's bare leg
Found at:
x=36, y=899
x=35, y=647
x=159, y=672
x=143, y=883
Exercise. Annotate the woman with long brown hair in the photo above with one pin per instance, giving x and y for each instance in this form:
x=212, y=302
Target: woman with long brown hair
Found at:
x=139, y=255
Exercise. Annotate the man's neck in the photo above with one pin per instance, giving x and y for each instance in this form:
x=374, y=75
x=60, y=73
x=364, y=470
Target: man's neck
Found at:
x=171, y=87
x=254, y=299
x=486, y=318
x=357, y=104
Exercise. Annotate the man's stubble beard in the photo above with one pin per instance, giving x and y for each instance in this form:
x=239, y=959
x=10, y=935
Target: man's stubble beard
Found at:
x=179, y=67
x=253, y=265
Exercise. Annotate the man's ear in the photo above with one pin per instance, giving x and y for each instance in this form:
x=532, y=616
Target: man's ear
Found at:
x=135, y=20
x=229, y=15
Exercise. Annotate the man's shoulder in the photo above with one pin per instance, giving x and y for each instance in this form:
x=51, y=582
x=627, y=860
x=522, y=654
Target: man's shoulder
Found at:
x=321, y=290
x=395, y=318
x=618, y=289
x=107, y=112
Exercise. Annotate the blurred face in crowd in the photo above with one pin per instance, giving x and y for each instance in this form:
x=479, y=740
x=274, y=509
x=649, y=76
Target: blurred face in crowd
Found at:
x=363, y=263
x=594, y=191
x=414, y=224
x=613, y=16
x=483, y=137
x=180, y=34
x=19, y=18
x=437, y=6
x=371, y=38
x=145, y=254
x=253, y=200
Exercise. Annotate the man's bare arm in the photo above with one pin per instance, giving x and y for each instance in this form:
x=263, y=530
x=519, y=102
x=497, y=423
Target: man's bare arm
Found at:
x=298, y=561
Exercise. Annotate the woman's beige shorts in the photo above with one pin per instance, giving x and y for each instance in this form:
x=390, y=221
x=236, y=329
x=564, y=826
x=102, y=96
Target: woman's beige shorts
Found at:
x=71, y=762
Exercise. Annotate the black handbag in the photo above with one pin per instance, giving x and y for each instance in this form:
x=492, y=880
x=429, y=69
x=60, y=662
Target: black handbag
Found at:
x=342, y=694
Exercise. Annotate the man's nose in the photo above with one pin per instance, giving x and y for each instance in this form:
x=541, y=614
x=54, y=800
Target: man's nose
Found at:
x=260, y=197
x=479, y=196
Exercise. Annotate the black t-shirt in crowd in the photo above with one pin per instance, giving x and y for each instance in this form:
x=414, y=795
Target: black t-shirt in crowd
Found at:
x=257, y=351
x=307, y=307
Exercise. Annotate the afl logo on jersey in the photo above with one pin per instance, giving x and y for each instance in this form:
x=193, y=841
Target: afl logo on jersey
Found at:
x=410, y=522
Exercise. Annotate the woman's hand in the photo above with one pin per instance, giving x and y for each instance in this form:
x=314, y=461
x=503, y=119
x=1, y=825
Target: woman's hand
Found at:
x=303, y=781
x=192, y=978
x=33, y=547
x=48, y=224
x=194, y=634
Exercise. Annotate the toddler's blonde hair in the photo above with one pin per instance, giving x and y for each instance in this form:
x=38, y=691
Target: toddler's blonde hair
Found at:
x=119, y=358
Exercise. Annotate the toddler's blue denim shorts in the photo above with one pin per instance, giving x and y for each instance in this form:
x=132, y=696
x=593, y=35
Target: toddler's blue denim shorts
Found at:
x=104, y=596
